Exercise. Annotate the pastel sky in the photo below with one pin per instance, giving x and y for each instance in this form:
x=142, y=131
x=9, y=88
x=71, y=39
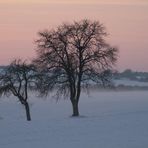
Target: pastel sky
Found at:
x=126, y=21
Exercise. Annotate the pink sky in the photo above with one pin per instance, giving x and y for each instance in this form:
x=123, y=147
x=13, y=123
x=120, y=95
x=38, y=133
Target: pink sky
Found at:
x=126, y=22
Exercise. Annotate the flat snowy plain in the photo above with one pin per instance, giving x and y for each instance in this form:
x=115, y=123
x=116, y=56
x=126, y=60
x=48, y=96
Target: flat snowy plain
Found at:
x=108, y=120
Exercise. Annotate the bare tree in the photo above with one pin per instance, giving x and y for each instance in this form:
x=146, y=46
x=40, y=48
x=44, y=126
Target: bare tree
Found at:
x=16, y=79
x=73, y=56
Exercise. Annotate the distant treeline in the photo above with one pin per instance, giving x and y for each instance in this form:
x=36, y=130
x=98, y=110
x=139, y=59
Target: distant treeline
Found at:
x=132, y=75
x=126, y=74
x=2, y=67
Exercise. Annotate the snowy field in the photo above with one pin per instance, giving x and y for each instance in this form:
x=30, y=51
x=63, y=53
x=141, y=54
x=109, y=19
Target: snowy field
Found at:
x=108, y=120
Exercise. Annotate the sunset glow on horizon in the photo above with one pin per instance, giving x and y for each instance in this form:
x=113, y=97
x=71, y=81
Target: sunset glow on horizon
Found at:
x=126, y=22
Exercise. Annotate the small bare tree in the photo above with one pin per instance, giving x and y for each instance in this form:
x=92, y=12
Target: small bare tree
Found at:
x=16, y=79
x=73, y=56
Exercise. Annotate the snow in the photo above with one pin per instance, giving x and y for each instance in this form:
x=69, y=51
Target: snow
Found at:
x=127, y=82
x=108, y=120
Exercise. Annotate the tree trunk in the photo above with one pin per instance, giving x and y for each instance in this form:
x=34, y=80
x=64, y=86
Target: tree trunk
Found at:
x=75, y=108
x=27, y=111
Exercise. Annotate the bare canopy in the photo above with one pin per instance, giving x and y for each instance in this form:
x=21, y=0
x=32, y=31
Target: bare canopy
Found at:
x=73, y=55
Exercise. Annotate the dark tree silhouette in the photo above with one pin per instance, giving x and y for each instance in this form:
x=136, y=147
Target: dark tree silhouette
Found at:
x=73, y=56
x=16, y=79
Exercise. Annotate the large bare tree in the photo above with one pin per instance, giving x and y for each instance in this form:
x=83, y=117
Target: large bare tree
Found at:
x=73, y=56
x=16, y=79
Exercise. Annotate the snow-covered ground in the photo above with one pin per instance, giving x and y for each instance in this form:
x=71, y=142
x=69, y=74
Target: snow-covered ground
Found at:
x=108, y=120
x=127, y=82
